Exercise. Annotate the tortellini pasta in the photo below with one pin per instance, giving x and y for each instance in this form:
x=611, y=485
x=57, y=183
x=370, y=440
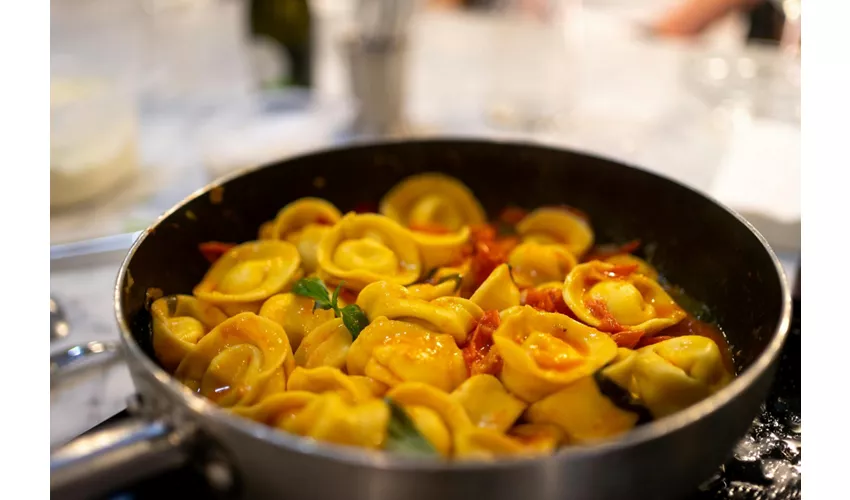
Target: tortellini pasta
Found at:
x=557, y=226
x=432, y=201
x=452, y=315
x=393, y=352
x=326, y=345
x=487, y=402
x=536, y=263
x=582, y=412
x=428, y=330
x=241, y=360
x=671, y=375
x=297, y=315
x=250, y=272
x=365, y=248
x=544, y=352
x=304, y=223
x=179, y=322
x=498, y=292
x=617, y=298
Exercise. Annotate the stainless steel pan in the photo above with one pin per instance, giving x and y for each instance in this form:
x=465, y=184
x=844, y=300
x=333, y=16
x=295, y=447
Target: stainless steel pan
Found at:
x=709, y=250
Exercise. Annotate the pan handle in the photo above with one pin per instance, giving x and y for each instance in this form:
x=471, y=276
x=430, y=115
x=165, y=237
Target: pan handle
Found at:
x=67, y=364
x=98, y=463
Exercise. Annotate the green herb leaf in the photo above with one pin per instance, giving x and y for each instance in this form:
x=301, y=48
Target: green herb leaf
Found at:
x=313, y=288
x=458, y=279
x=354, y=319
x=402, y=435
x=335, y=297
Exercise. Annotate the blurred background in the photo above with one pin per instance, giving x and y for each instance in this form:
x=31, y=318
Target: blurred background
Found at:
x=152, y=99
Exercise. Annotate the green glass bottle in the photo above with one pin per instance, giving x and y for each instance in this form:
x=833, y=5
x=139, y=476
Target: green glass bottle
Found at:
x=283, y=28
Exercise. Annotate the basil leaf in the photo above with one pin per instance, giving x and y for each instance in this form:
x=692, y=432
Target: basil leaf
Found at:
x=313, y=288
x=354, y=319
x=335, y=298
x=458, y=279
x=402, y=435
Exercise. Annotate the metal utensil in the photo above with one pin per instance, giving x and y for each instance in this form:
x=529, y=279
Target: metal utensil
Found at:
x=58, y=325
x=79, y=359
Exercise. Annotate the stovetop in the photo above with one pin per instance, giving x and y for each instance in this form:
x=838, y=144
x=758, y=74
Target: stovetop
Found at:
x=765, y=465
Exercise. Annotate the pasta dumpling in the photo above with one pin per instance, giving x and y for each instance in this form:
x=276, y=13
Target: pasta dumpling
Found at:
x=551, y=225
x=641, y=266
x=179, y=322
x=437, y=415
x=330, y=418
x=303, y=213
x=250, y=272
x=393, y=352
x=582, y=412
x=616, y=298
x=438, y=250
x=240, y=361
x=453, y=315
x=365, y=248
x=498, y=292
x=535, y=263
x=327, y=379
x=544, y=352
x=296, y=314
x=432, y=202
x=326, y=345
x=487, y=402
x=670, y=375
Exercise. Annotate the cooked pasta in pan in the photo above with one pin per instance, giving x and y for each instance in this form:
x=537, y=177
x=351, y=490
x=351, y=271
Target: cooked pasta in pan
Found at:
x=424, y=329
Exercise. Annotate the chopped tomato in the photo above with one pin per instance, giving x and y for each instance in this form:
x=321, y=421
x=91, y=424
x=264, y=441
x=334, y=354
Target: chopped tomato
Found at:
x=478, y=353
x=599, y=310
x=548, y=300
x=430, y=228
x=213, y=250
x=488, y=252
x=602, y=252
x=512, y=215
x=627, y=338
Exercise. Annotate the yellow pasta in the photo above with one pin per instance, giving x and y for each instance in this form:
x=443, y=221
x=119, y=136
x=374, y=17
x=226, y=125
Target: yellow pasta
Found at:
x=432, y=200
x=643, y=267
x=179, y=322
x=582, y=412
x=250, y=272
x=535, y=263
x=327, y=379
x=438, y=416
x=438, y=250
x=326, y=345
x=330, y=418
x=365, y=248
x=488, y=444
x=295, y=314
x=498, y=292
x=609, y=296
x=452, y=315
x=544, y=352
x=672, y=374
x=277, y=409
x=393, y=352
x=557, y=226
x=303, y=213
x=544, y=438
x=241, y=360
x=487, y=402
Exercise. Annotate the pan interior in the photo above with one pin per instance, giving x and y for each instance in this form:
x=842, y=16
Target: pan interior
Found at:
x=693, y=242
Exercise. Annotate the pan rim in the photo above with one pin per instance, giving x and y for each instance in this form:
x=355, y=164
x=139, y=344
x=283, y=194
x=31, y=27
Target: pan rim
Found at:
x=375, y=459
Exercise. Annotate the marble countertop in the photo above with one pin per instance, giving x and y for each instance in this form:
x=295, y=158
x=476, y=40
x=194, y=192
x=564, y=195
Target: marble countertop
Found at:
x=632, y=100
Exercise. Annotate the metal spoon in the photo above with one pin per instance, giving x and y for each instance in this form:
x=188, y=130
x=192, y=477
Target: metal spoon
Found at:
x=58, y=325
